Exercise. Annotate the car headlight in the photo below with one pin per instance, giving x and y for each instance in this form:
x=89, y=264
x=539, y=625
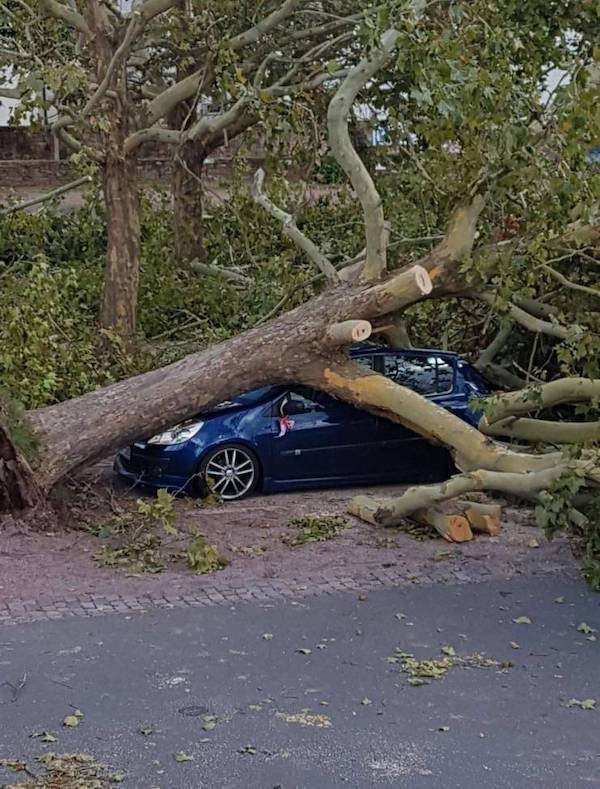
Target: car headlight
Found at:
x=178, y=434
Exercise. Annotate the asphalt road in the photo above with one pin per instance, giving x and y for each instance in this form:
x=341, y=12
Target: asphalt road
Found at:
x=170, y=669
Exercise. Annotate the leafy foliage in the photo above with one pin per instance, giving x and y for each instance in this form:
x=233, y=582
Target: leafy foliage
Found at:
x=313, y=528
x=64, y=771
x=137, y=539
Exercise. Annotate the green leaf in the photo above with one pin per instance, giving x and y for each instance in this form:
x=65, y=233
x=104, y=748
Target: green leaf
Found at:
x=585, y=628
x=183, y=757
x=584, y=704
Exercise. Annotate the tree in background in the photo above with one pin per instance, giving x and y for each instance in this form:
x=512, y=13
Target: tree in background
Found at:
x=118, y=81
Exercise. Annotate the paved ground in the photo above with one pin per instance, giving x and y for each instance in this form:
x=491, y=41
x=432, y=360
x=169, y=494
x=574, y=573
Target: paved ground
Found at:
x=54, y=575
x=498, y=727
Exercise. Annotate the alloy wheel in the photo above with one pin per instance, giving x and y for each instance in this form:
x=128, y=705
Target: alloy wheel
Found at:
x=230, y=472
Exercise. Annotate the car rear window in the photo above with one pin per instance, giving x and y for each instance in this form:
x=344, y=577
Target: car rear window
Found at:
x=426, y=375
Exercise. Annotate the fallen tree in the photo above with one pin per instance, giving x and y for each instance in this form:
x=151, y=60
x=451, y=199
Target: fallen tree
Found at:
x=308, y=345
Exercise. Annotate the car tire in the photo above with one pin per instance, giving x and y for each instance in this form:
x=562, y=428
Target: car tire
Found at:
x=231, y=471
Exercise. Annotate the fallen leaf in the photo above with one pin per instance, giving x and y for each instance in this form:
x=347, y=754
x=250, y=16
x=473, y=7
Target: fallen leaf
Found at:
x=584, y=704
x=366, y=701
x=400, y=616
x=514, y=645
x=533, y=544
x=417, y=681
x=559, y=599
x=443, y=728
x=267, y=636
x=183, y=757
x=209, y=725
x=146, y=729
x=45, y=736
x=585, y=628
x=450, y=651
x=250, y=749
x=522, y=620
x=305, y=718
x=304, y=651
x=72, y=721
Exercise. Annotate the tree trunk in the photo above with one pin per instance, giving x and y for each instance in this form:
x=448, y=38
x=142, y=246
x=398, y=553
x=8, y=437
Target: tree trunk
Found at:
x=20, y=495
x=78, y=431
x=188, y=202
x=121, y=277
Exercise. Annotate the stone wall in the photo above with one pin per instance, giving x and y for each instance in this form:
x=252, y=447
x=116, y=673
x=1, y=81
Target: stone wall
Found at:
x=23, y=144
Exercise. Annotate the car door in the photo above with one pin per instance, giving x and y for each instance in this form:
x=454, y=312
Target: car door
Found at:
x=322, y=438
x=404, y=454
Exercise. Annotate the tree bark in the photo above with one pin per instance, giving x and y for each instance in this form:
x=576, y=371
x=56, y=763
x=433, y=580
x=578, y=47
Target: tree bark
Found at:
x=119, y=179
x=188, y=199
x=121, y=277
x=18, y=490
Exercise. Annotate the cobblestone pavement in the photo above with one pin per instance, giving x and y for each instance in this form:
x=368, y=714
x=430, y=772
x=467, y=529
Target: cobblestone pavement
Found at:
x=218, y=590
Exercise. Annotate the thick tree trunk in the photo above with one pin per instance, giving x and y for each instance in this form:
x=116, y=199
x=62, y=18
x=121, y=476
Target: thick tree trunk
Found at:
x=18, y=490
x=188, y=202
x=77, y=431
x=121, y=277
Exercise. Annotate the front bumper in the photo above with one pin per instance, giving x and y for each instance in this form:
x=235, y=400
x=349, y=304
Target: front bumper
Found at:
x=151, y=473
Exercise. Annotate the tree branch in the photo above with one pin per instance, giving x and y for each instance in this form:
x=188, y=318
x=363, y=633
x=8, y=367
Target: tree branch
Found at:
x=69, y=15
x=568, y=283
x=151, y=8
x=376, y=230
x=378, y=394
x=391, y=511
x=263, y=27
x=133, y=28
x=11, y=209
x=541, y=430
x=536, y=398
x=348, y=332
x=525, y=319
x=290, y=228
x=218, y=271
x=487, y=356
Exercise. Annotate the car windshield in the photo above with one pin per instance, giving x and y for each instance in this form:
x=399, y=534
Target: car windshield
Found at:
x=248, y=398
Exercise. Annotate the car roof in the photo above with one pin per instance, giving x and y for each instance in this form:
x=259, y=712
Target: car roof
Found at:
x=366, y=348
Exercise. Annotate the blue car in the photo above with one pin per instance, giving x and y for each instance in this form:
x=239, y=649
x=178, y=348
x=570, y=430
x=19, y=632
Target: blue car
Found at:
x=292, y=437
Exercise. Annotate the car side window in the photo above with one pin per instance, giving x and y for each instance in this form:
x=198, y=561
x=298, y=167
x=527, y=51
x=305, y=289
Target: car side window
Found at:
x=426, y=375
x=299, y=400
x=445, y=376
